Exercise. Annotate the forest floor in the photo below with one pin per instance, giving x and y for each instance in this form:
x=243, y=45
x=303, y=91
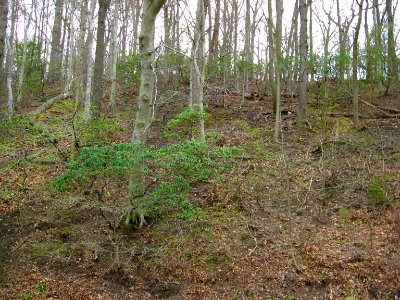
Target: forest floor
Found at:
x=316, y=216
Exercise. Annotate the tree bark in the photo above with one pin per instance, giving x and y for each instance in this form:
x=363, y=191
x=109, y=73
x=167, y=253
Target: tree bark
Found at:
x=197, y=66
x=98, y=81
x=56, y=52
x=393, y=68
x=10, y=60
x=89, y=65
x=303, y=75
x=114, y=54
x=143, y=119
x=278, y=55
x=355, y=66
x=3, y=34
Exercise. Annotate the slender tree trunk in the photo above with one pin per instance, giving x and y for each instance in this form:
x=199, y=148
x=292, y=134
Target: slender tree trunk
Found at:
x=355, y=66
x=369, y=63
x=10, y=59
x=89, y=64
x=23, y=62
x=278, y=55
x=197, y=66
x=311, y=55
x=72, y=50
x=303, y=75
x=271, y=53
x=393, y=69
x=3, y=34
x=80, y=71
x=56, y=51
x=213, y=52
x=342, y=42
x=98, y=81
x=114, y=56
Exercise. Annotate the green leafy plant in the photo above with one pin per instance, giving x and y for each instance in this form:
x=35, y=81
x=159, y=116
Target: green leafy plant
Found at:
x=185, y=124
x=377, y=191
x=170, y=171
x=41, y=287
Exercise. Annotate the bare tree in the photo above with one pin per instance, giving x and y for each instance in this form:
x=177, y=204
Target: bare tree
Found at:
x=56, y=51
x=10, y=59
x=143, y=119
x=98, y=81
x=303, y=75
x=197, y=66
x=3, y=33
x=393, y=68
x=355, y=65
x=278, y=55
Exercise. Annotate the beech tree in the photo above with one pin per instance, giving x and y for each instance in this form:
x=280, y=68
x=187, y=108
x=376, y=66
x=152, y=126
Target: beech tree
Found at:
x=303, y=74
x=56, y=51
x=104, y=5
x=197, y=65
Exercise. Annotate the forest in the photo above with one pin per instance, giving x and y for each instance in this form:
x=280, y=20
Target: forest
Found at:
x=200, y=149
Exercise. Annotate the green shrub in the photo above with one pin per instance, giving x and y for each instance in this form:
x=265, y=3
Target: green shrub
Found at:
x=171, y=171
x=377, y=191
x=185, y=124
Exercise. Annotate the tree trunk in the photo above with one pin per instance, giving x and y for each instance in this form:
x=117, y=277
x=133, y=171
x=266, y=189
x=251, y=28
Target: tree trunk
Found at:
x=278, y=55
x=3, y=34
x=56, y=51
x=114, y=54
x=98, y=81
x=23, y=62
x=303, y=75
x=143, y=119
x=89, y=65
x=197, y=66
x=213, y=52
x=271, y=54
x=355, y=66
x=311, y=55
x=10, y=60
x=393, y=68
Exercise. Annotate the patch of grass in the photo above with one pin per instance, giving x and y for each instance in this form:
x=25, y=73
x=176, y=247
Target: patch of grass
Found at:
x=41, y=287
x=25, y=296
x=49, y=248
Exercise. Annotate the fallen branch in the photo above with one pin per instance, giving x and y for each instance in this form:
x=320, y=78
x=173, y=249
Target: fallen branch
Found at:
x=351, y=115
x=49, y=103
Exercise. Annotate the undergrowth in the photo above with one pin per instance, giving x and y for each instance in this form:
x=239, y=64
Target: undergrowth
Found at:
x=170, y=172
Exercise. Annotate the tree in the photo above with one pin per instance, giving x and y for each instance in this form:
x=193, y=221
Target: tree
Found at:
x=278, y=55
x=145, y=106
x=56, y=52
x=98, y=82
x=197, y=66
x=355, y=65
x=10, y=59
x=3, y=33
x=303, y=74
x=393, y=67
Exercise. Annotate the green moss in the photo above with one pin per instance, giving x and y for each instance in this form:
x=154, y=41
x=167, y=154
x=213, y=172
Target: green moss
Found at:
x=52, y=248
